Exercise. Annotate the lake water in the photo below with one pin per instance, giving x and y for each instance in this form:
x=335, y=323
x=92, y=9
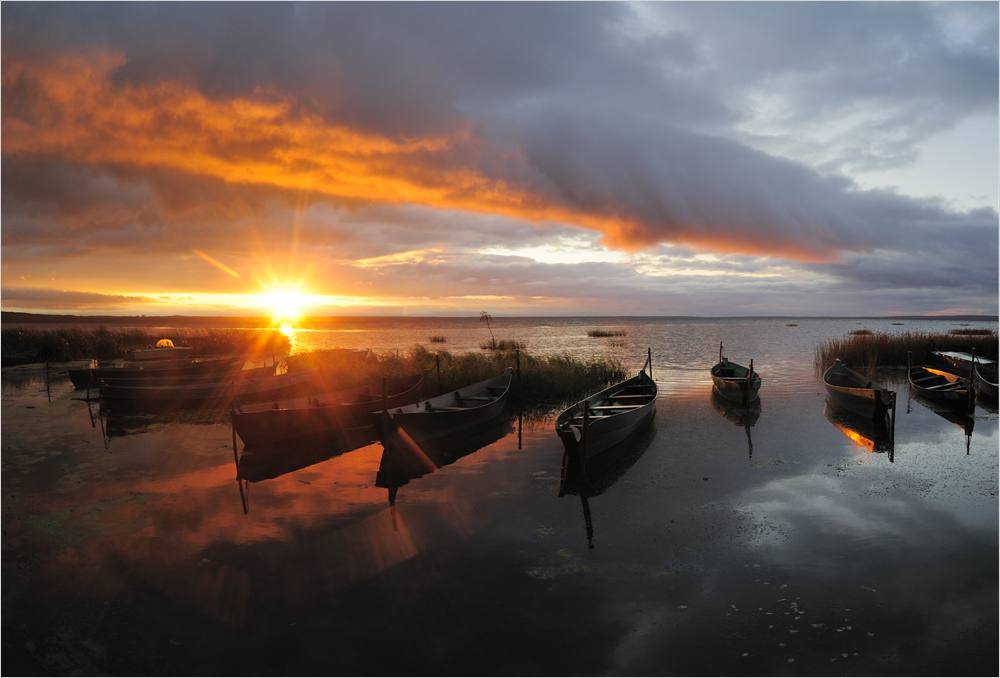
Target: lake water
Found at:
x=786, y=543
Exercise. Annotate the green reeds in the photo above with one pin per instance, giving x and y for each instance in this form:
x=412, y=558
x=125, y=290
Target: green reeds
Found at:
x=864, y=350
x=546, y=383
x=86, y=343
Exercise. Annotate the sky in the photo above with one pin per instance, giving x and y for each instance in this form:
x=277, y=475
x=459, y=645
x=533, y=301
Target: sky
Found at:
x=526, y=159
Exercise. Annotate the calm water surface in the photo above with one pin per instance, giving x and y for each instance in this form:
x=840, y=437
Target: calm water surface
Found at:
x=783, y=543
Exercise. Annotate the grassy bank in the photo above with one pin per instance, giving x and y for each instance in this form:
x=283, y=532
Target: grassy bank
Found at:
x=866, y=349
x=546, y=383
x=59, y=345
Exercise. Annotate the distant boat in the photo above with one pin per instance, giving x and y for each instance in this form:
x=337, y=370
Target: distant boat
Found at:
x=605, y=420
x=942, y=387
x=164, y=350
x=854, y=392
x=211, y=395
x=735, y=382
x=222, y=368
x=322, y=415
x=466, y=409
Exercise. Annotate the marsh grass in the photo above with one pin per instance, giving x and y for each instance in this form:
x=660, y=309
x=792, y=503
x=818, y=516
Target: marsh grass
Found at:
x=546, y=383
x=972, y=332
x=606, y=333
x=864, y=350
x=85, y=343
x=501, y=345
x=438, y=339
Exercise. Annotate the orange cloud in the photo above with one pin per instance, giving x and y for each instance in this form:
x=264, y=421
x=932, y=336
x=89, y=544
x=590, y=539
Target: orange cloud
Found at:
x=71, y=108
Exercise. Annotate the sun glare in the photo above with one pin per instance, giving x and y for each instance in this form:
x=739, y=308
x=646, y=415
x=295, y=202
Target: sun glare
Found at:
x=286, y=307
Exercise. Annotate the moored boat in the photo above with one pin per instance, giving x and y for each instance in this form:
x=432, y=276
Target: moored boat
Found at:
x=164, y=350
x=211, y=395
x=942, y=387
x=182, y=379
x=735, y=382
x=467, y=408
x=607, y=420
x=986, y=381
x=322, y=415
x=222, y=368
x=854, y=392
x=959, y=362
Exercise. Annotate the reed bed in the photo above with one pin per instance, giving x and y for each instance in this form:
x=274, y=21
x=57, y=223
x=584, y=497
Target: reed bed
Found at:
x=501, y=345
x=865, y=350
x=606, y=333
x=546, y=383
x=101, y=343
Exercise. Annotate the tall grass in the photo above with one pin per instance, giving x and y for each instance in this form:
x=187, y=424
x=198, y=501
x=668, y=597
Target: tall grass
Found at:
x=606, y=333
x=546, y=383
x=501, y=345
x=79, y=343
x=865, y=350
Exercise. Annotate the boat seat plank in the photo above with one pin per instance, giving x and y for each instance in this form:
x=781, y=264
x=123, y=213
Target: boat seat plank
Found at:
x=579, y=420
x=482, y=398
x=444, y=408
x=623, y=397
x=949, y=386
x=614, y=407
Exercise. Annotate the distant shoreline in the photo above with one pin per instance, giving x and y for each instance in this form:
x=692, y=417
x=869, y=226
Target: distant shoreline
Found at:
x=8, y=318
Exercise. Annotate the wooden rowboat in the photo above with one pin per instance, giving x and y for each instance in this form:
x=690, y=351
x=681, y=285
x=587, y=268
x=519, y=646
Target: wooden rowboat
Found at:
x=609, y=419
x=735, y=382
x=959, y=362
x=942, y=387
x=851, y=391
x=211, y=395
x=324, y=415
x=468, y=408
x=223, y=368
x=182, y=379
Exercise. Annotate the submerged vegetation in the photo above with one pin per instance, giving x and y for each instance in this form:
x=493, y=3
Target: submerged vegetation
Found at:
x=545, y=383
x=83, y=343
x=864, y=349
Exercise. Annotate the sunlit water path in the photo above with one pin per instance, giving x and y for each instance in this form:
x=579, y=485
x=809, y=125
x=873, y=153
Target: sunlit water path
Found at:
x=788, y=543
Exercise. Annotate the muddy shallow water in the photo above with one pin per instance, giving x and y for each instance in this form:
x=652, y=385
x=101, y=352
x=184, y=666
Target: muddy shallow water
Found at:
x=792, y=546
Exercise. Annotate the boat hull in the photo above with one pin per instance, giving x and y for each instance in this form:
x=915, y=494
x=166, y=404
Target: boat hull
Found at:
x=850, y=391
x=322, y=416
x=450, y=413
x=222, y=368
x=730, y=381
x=214, y=395
x=607, y=432
x=944, y=388
x=986, y=383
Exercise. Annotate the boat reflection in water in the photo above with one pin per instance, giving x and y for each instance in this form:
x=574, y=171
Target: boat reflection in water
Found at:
x=601, y=472
x=266, y=462
x=874, y=435
x=961, y=419
x=741, y=415
x=405, y=458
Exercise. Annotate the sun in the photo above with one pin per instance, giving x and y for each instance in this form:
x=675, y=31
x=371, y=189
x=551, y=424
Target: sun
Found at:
x=286, y=306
